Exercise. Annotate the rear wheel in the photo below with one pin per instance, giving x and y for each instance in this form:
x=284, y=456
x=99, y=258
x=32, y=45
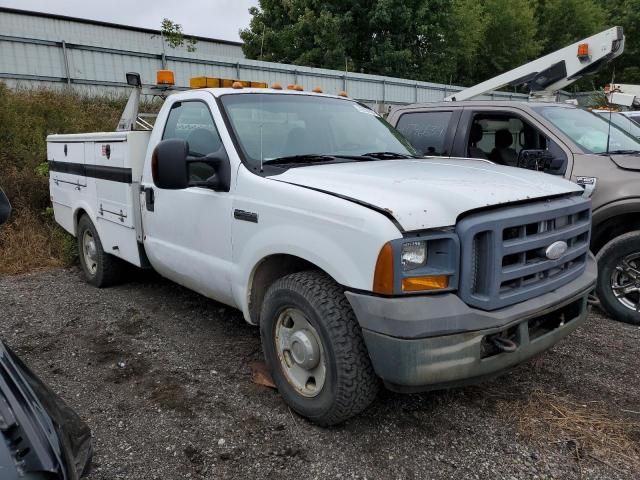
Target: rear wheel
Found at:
x=100, y=269
x=618, y=285
x=314, y=348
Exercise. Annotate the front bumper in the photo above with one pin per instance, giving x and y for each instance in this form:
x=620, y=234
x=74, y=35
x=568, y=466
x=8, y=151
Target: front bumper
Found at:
x=437, y=341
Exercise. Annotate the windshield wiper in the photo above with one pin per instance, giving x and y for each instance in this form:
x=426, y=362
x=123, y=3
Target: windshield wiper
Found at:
x=623, y=152
x=389, y=155
x=306, y=158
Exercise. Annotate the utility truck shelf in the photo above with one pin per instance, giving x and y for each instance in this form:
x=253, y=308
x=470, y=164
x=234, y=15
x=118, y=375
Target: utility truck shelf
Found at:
x=361, y=261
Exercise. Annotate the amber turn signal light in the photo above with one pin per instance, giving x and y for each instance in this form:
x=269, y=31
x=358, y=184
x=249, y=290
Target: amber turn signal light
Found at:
x=429, y=282
x=383, y=276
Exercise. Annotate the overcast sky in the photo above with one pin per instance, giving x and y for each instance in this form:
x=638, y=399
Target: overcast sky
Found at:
x=208, y=18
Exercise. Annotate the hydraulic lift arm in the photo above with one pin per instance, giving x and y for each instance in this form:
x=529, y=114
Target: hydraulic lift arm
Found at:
x=553, y=72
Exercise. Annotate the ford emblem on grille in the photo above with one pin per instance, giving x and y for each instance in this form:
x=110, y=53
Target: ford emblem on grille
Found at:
x=556, y=250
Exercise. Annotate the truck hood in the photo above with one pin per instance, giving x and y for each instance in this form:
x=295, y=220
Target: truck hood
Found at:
x=430, y=192
x=628, y=162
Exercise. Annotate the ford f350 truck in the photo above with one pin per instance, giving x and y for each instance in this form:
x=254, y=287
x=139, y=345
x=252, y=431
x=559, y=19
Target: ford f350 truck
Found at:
x=358, y=259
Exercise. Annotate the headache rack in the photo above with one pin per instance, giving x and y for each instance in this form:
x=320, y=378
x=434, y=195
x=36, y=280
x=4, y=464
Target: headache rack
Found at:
x=504, y=251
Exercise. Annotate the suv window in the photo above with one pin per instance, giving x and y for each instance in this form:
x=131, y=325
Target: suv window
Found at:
x=426, y=131
x=501, y=136
x=192, y=121
x=590, y=131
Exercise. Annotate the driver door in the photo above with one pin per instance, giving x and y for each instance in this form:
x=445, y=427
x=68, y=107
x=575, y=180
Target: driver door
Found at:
x=187, y=233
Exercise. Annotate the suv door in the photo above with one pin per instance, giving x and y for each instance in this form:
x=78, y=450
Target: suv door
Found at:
x=501, y=134
x=187, y=233
x=431, y=132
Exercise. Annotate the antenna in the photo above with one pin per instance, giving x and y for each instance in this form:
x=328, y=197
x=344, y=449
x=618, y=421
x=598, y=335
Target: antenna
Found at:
x=613, y=76
x=264, y=27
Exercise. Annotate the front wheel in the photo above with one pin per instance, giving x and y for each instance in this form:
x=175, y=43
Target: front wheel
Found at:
x=618, y=286
x=314, y=349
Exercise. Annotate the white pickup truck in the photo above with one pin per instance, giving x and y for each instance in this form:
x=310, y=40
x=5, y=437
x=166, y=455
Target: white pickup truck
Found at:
x=358, y=259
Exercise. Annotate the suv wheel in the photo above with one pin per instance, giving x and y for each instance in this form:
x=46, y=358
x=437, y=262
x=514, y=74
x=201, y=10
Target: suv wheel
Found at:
x=618, y=285
x=314, y=348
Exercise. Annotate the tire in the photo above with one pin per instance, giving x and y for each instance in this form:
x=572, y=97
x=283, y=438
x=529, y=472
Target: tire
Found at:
x=100, y=269
x=611, y=259
x=350, y=384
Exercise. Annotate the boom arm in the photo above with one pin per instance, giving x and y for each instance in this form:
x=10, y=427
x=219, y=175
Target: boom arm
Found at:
x=551, y=73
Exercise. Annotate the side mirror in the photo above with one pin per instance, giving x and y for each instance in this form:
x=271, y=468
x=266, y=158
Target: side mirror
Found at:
x=541, y=160
x=5, y=208
x=172, y=167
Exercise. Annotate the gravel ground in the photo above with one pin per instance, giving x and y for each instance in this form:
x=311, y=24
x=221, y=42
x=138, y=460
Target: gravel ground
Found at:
x=162, y=376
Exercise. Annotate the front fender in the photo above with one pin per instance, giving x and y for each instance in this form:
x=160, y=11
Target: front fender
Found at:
x=615, y=209
x=334, y=258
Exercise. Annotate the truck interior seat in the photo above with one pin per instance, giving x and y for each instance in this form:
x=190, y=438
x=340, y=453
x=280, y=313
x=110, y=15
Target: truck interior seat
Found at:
x=475, y=137
x=503, y=153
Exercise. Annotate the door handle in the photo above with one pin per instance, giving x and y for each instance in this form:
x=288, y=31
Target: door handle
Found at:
x=149, y=198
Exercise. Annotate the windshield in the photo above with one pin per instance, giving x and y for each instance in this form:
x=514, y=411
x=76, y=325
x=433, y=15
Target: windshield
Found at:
x=275, y=126
x=622, y=121
x=590, y=131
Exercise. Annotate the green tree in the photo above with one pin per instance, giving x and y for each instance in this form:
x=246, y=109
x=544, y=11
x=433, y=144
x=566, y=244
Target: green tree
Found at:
x=510, y=37
x=172, y=35
x=626, y=13
x=563, y=22
x=389, y=37
x=465, y=36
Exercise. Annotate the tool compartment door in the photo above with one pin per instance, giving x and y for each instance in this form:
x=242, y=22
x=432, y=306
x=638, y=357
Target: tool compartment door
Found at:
x=113, y=182
x=67, y=172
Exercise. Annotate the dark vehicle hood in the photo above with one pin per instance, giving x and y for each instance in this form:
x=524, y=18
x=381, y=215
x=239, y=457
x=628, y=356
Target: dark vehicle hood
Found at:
x=628, y=162
x=39, y=432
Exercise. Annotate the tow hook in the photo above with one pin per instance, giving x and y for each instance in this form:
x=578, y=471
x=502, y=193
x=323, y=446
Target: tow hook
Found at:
x=504, y=344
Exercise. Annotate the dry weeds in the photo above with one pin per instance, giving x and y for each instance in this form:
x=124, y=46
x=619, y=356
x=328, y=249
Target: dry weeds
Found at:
x=588, y=429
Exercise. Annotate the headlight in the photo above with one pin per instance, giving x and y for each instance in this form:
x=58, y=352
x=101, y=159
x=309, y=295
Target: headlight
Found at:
x=414, y=255
x=421, y=263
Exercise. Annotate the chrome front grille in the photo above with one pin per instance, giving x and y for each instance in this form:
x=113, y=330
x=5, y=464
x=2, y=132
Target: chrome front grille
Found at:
x=504, y=252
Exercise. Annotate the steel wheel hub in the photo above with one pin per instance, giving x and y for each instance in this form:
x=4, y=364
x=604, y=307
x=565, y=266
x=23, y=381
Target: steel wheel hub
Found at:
x=300, y=352
x=625, y=282
x=90, y=252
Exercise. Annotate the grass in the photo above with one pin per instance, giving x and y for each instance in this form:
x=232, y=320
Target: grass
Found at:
x=587, y=430
x=31, y=239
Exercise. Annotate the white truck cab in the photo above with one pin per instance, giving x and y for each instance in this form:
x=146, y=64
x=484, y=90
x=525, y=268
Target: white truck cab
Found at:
x=359, y=259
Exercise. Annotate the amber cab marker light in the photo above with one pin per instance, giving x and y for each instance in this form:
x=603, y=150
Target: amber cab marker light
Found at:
x=276, y=86
x=317, y=90
x=165, y=77
x=236, y=85
x=383, y=276
x=421, y=284
x=299, y=88
x=343, y=94
x=291, y=86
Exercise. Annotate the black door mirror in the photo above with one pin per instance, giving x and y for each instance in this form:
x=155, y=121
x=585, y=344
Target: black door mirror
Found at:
x=5, y=208
x=173, y=169
x=541, y=160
